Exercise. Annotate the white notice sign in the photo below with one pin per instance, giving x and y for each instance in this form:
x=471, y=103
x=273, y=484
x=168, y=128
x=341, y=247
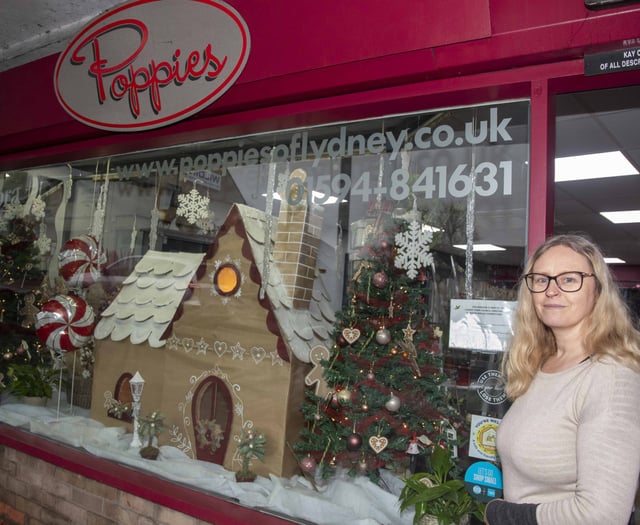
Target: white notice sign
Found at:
x=481, y=325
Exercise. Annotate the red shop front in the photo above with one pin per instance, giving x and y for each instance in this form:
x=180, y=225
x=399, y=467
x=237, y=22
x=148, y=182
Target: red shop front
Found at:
x=387, y=109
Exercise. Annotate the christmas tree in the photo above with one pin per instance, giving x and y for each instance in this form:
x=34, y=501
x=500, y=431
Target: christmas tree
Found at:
x=20, y=290
x=386, y=404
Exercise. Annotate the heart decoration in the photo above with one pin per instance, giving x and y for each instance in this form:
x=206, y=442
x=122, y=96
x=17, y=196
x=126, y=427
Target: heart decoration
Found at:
x=351, y=335
x=220, y=348
x=378, y=443
x=258, y=354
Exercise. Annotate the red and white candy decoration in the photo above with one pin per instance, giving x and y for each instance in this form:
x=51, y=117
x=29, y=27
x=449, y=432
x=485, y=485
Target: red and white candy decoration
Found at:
x=65, y=323
x=82, y=261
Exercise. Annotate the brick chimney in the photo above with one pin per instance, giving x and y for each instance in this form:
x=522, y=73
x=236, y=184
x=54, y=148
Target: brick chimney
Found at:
x=297, y=238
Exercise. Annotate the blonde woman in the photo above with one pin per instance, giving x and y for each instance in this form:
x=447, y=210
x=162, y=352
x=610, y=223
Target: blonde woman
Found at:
x=570, y=442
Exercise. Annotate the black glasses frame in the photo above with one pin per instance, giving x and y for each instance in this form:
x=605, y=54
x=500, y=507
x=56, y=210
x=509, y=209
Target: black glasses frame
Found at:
x=555, y=278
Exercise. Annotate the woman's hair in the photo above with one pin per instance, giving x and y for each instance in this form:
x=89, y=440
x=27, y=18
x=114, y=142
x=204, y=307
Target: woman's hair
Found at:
x=610, y=329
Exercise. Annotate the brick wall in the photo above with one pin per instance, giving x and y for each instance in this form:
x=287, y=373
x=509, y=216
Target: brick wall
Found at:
x=34, y=492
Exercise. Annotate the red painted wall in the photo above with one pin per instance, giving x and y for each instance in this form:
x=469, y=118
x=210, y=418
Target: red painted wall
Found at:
x=327, y=49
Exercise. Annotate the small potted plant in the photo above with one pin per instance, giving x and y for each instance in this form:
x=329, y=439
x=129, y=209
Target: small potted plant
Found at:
x=150, y=427
x=251, y=446
x=436, y=497
x=32, y=383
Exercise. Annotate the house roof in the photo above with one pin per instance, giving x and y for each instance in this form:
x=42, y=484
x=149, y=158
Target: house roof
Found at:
x=301, y=329
x=150, y=297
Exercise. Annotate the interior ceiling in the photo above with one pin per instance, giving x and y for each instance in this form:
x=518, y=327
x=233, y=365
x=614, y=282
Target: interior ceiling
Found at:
x=587, y=123
x=32, y=29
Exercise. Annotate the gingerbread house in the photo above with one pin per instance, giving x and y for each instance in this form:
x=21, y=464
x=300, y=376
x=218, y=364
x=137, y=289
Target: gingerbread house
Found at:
x=222, y=339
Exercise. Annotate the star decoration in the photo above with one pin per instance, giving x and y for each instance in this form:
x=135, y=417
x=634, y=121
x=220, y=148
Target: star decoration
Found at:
x=238, y=351
x=276, y=359
x=408, y=333
x=173, y=342
x=203, y=346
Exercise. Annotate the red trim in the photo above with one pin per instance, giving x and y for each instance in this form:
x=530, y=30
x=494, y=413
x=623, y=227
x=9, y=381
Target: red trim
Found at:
x=541, y=164
x=213, y=509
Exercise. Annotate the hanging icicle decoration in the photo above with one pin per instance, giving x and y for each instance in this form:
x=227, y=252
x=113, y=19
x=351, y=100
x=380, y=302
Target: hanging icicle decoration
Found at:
x=155, y=219
x=97, y=224
x=33, y=193
x=134, y=234
x=405, y=160
x=58, y=222
x=470, y=226
x=268, y=224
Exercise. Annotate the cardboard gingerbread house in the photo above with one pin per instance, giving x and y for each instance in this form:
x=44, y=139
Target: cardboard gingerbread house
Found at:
x=223, y=340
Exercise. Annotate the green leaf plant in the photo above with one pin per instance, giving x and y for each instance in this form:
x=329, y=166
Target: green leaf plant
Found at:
x=436, y=494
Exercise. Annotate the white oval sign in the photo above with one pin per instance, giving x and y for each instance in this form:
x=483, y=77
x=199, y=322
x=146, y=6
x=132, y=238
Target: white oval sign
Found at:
x=149, y=63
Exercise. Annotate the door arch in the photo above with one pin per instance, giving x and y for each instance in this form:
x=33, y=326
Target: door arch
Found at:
x=212, y=415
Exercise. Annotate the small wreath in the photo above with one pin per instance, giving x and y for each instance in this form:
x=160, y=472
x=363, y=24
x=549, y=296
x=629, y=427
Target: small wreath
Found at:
x=209, y=434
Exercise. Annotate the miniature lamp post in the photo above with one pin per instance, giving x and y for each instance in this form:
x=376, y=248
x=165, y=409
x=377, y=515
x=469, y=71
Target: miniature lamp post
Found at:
x=137, y=384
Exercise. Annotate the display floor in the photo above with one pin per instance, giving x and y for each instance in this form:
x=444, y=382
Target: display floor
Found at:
x=341, y=500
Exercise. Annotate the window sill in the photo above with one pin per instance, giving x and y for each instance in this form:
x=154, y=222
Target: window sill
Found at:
x=200, y=505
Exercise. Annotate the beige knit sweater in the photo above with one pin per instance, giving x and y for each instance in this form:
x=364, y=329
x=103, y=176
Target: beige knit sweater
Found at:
x=572, y=444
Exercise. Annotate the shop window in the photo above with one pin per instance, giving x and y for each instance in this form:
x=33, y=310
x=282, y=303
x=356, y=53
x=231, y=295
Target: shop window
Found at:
x=460, y=174
x=591, y=126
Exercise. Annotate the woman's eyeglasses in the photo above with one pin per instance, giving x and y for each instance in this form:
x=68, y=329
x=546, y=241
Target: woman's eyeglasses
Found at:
x=566, y=281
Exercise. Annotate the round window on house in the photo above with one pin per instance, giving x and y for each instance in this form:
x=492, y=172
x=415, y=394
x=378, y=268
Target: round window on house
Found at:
x=227, y=279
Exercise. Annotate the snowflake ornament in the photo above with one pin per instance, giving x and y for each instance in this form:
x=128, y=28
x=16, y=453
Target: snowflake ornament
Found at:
x=38, y=208
x=13, y=210
x=413, y=249
x=43, y=244
x=193, y=206
x=206, y=223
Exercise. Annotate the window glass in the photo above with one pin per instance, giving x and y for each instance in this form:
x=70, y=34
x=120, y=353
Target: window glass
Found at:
x=461, y=173
x=597, y=167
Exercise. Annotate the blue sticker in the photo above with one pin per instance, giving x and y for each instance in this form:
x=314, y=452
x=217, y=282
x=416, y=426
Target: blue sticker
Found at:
x=484, y=481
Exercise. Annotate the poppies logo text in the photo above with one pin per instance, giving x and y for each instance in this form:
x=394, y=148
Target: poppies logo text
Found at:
x=131, y=69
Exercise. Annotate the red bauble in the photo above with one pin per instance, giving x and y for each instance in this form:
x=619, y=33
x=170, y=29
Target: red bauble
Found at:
x=82, y=261
x=380, y=279
x=354, y=442
x=65, y=323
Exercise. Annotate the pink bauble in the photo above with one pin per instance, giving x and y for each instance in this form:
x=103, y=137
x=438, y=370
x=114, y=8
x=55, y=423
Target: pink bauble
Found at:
x=82, y=261
x=380, y=279
x=308, y=464
x=354, y=442
x=65, y=323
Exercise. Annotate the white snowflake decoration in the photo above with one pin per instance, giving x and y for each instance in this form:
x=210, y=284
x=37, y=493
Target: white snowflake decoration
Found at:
x=193, y=206
x=38, y=208
x=43, y=243
x=206, y=223
x=413, y=249
x=13, y=210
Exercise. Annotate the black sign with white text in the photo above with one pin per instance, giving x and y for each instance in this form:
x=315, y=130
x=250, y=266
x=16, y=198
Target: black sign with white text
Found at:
x=612, y=62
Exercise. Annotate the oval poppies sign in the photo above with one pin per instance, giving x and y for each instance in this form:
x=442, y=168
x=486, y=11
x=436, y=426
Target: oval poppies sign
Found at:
x=149, y=63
